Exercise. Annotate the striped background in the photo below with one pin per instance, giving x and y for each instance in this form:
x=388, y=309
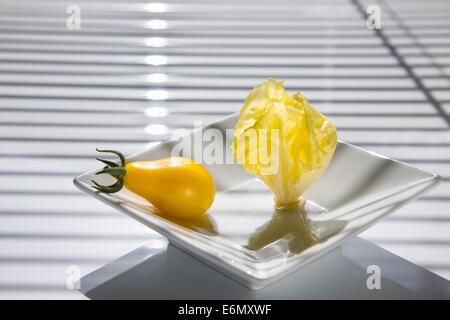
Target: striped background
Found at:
x=136, y=71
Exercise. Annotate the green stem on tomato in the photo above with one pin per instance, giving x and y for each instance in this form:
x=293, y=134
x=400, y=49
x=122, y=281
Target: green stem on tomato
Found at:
x=114, y=170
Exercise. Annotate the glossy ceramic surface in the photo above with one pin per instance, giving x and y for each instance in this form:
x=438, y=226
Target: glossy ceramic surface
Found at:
x=245, y=238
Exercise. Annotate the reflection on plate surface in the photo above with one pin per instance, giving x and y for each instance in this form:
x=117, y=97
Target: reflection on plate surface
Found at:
x=294, y=226
x=296, y=229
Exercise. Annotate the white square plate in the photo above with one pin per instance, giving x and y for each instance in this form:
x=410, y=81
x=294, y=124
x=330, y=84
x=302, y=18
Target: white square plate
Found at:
x=357, y=190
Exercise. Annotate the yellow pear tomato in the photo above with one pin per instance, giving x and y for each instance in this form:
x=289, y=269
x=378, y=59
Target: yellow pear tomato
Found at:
x=178, y=187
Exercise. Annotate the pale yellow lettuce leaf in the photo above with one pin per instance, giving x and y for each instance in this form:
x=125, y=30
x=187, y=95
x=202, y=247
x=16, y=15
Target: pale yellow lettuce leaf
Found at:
x=292, y=157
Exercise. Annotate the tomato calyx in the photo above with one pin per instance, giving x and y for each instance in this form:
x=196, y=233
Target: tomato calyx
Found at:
x=114, y=170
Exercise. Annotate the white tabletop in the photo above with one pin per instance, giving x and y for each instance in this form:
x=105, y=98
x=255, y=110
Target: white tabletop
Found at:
x=136, y=71
x=158, y=270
